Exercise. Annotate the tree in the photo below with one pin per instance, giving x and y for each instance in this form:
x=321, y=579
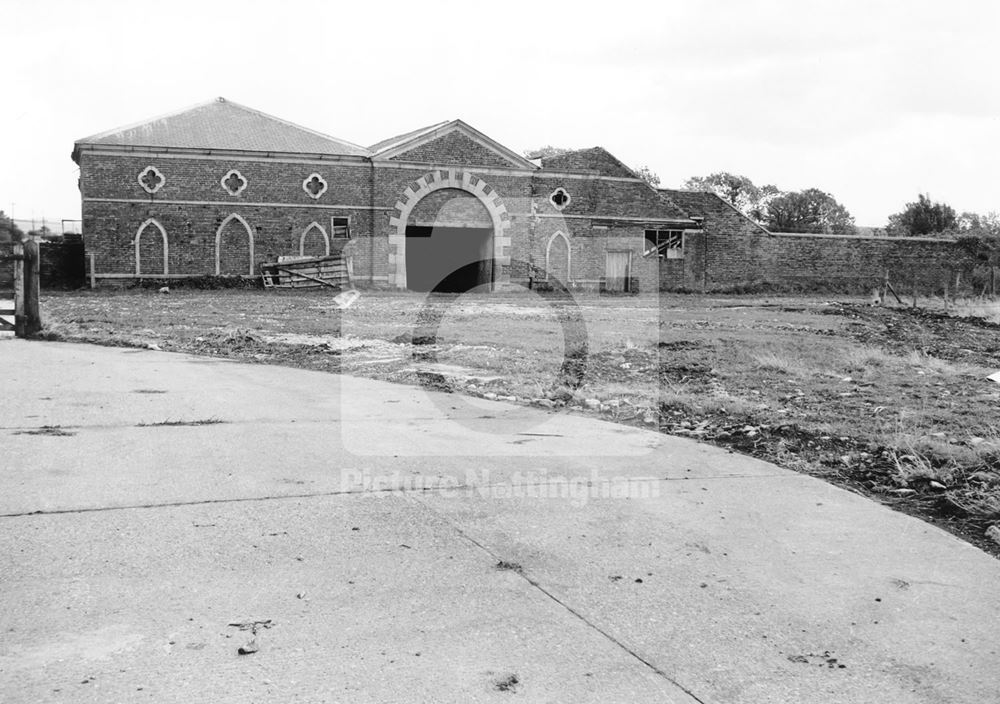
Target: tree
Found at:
x=979, y=236
x=647, y=175
x=739, y=191
x=811, y=210
x=546, y=151
x=9, y=231
x=987, y=225
x=924, y=217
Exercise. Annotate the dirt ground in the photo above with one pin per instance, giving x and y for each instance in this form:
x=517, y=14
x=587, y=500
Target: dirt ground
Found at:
x=892, y=403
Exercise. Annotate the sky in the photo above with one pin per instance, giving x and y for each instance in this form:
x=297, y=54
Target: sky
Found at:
x=873, y=102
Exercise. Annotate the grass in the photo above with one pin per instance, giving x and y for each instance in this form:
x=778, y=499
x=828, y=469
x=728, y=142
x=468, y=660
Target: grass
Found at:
x=877, y=399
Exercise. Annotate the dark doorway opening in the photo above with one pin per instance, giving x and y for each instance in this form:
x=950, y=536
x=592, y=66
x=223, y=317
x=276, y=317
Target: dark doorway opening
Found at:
x=448, y=259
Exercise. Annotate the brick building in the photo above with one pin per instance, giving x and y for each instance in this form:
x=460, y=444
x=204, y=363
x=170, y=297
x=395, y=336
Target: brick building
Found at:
x=219, y=188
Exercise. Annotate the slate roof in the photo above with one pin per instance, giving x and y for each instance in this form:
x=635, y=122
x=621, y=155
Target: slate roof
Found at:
x=224, y=125
x=594, y=159
x=701, y=204
x=400, y=138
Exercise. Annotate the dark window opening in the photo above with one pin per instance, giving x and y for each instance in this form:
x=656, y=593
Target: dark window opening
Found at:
x=559, y=198
x=341, y=227
x=666, y=244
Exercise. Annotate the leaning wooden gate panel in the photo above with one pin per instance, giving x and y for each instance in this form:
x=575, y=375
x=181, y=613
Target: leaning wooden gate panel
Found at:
x=7, y=265
x=26, y=310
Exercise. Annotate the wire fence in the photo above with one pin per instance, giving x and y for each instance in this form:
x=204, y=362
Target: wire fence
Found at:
x=57, y=226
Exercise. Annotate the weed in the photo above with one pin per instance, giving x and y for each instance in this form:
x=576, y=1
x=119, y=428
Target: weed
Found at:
x=50, y=430
x=504, y=565
x=176, y=423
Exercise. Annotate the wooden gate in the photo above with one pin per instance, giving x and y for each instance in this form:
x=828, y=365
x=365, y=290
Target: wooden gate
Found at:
x=27, y=316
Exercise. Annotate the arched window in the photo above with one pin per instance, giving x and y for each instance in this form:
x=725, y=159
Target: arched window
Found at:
x=154, y=257
x=558, y=258
x=234, y=247
x=314, y=241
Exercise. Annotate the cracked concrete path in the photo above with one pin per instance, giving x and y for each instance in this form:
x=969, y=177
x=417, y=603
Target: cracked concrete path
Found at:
x=396, y=545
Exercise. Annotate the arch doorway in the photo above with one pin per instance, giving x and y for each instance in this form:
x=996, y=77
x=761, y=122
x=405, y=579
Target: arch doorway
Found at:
x=449, y=243
x=450, y=234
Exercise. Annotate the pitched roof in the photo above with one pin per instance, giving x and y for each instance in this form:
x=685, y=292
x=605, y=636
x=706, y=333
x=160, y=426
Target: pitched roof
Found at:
x=386, y=144
x=594, y=159
x=402, y=144
x=224, y=125
x=700, y=204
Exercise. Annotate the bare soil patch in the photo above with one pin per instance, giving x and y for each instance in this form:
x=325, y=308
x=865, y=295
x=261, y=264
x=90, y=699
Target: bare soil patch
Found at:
x=892, y=403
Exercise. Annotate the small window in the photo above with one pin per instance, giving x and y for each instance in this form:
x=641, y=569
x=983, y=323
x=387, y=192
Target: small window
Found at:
x=559, y=198
x=341, y=227
x=667, y=244
x=151, y=179
x=314, y=185
x=233, y=182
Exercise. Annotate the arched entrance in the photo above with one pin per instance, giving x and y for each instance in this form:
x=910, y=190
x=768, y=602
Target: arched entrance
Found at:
x=449, y=234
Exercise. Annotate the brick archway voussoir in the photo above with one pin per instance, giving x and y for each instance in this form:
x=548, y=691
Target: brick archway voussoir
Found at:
x=435, y=181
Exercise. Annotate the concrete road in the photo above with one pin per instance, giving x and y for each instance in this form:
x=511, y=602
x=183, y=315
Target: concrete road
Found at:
x=379, y=543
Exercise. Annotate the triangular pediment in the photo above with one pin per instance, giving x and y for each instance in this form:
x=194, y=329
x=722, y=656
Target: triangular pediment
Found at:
x=451, y=143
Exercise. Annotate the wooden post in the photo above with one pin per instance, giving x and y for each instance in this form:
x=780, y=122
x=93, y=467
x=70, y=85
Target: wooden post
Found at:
x=32, y=309
x=19, y=289
x=93, y=274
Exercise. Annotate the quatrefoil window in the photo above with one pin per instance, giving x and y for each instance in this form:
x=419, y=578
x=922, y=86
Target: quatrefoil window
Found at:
x=314, y=185
x=151, y=179
x=559, y=198
x=233, y=182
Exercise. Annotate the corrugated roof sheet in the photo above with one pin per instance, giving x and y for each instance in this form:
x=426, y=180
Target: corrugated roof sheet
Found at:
x=224, y=125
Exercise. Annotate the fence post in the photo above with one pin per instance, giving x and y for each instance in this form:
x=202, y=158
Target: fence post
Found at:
x=32, y=311
x=19, y=289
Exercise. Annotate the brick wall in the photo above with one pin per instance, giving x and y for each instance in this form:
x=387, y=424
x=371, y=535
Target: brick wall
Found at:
x=191, y=230
x=192, y=205
x=859, y=264
x=116, y=176
x=731, y=252
x=277, y=226
x=454, y=148
x=62, y=265
x=450, y=206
